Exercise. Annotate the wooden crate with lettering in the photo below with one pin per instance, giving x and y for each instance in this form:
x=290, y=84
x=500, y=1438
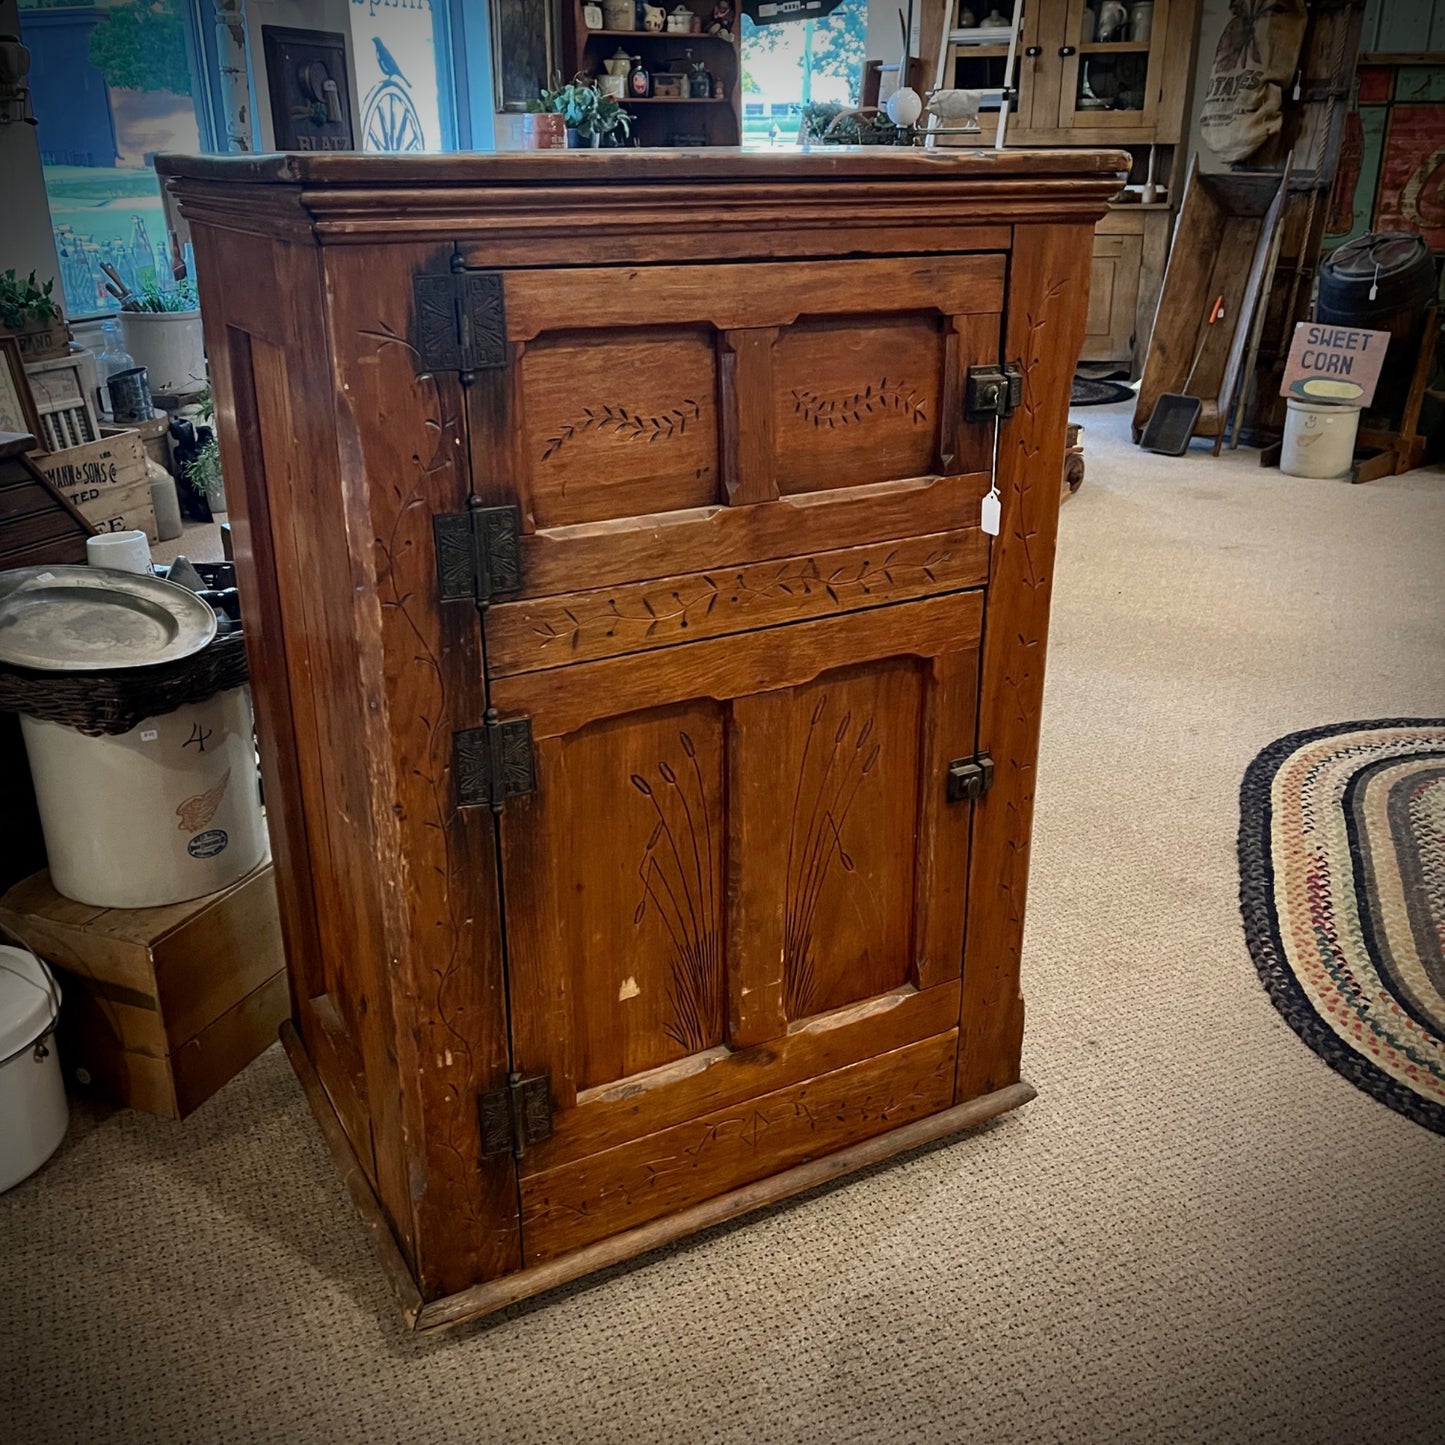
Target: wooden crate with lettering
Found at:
x=107, y=481
x=640, y=666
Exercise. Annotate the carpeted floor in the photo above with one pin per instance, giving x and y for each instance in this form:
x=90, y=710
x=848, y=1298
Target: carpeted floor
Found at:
x=1198, y=1231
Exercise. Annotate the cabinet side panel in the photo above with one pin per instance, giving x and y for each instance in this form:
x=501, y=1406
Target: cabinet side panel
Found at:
x=1047, y=304
x=238, y=432
x=312, y=647
x=401, y=436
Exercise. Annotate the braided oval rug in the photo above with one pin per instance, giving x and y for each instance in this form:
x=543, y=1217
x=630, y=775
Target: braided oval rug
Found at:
x=1342, y=887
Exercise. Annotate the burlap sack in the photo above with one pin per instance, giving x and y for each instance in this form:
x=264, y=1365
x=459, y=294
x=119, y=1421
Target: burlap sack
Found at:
x=1255, y=59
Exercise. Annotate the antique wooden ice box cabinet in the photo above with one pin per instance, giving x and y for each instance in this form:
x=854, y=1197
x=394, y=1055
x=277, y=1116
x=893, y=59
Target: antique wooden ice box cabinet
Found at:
x=649, y=721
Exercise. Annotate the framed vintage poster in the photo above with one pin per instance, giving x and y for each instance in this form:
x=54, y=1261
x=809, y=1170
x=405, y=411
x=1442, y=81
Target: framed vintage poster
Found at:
x=17, y=404
x=310, y=98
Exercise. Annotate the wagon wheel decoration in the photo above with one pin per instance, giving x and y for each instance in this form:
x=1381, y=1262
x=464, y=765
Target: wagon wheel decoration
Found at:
x=391, y=122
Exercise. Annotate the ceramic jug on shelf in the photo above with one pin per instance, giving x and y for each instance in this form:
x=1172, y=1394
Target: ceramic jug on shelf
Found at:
x=1113, y=22
x=614, y=83
x=1141, y=20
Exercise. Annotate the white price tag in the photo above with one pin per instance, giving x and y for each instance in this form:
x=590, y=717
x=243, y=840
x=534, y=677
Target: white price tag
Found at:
x=149, y=735
x=991, y=508
x=989, y=512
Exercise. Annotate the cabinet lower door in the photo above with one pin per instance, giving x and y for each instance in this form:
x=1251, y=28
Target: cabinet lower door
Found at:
x=734, y=906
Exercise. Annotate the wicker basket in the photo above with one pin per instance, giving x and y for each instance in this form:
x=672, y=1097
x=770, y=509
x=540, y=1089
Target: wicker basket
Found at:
x=106, y=704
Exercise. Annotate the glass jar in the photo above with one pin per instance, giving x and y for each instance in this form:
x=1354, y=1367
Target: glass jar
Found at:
x=639, y=80
x=110, y=359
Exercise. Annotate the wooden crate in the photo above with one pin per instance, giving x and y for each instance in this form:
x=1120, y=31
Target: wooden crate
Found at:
x=124, y=509
x=108, y=482
x=161, y=1005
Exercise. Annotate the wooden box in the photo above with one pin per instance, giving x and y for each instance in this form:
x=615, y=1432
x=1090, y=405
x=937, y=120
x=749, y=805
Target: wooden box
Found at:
x=37, y=523
x=630, y=714
x=107, y=481
x=161, y=1005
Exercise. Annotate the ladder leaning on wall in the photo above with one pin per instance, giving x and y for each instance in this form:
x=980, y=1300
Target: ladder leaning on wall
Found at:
x=956, y=42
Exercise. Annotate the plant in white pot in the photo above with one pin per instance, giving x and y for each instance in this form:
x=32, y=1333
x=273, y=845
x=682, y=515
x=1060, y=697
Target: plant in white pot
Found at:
x=162, y=331
x=29, y=313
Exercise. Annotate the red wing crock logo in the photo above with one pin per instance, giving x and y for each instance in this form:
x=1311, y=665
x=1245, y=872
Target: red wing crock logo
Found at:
x=208, y=844
x=196, y=812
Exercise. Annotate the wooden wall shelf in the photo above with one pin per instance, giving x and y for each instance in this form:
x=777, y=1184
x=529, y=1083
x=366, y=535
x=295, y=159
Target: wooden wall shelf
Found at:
x=688, y=39
x=719, y=122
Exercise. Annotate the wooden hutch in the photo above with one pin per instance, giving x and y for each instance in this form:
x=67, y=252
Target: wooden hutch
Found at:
x=658, y=120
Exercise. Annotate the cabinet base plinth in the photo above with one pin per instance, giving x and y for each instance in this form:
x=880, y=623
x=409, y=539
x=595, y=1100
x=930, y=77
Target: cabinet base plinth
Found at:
x=484, y=1299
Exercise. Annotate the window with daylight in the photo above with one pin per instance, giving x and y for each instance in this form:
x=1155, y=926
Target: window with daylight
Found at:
x=788, y=67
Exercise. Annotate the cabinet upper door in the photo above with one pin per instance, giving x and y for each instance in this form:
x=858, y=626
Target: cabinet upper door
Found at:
x=1112, y=65
x=665, y=420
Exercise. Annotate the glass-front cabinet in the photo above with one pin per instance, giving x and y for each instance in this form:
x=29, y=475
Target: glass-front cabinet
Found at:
x=1084, y=72
x=1111, y=64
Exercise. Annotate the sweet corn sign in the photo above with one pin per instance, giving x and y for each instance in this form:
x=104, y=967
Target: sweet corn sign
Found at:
x=1334, y=363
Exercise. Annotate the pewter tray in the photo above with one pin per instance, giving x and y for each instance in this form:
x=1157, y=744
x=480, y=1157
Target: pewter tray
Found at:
x=91, y=619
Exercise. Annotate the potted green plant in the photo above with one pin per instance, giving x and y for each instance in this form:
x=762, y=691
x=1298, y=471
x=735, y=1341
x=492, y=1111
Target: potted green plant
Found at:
x=203, y=471
x=30, y=313
x=163, y=334
x=614, y=124
x=586, y=114
x=830, y=123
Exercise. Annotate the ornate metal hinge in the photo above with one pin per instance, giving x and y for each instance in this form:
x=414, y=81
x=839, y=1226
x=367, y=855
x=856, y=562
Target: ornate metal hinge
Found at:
x=516, y=1115
x=969, y=778
x=993, y=391
x=479, y=553
x=494, y=762
x=461, y=321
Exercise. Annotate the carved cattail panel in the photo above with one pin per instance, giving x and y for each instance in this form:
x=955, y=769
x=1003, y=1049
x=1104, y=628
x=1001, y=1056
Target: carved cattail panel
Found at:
x=633, y=882
x=844, y=760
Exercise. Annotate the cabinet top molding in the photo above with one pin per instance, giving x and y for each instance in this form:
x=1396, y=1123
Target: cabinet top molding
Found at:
x=503, y=168
x=648, y=205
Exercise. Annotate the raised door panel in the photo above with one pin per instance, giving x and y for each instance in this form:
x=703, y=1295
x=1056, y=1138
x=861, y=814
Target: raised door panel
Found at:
x=619, y=426
x=739, y=871
x=1113, y=297
x=856, y=400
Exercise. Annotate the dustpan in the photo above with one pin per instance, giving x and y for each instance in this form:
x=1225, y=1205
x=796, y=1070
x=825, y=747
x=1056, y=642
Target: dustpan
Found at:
x=1171, y=424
